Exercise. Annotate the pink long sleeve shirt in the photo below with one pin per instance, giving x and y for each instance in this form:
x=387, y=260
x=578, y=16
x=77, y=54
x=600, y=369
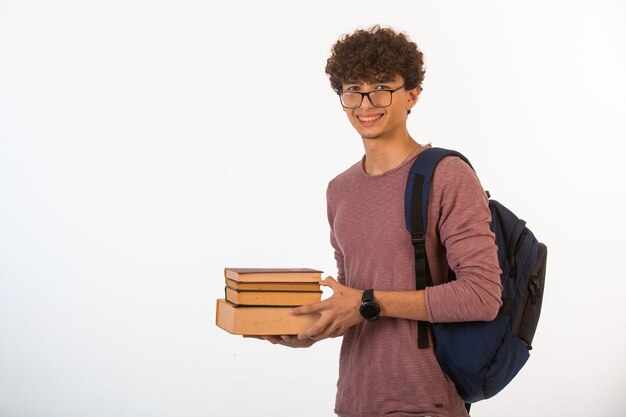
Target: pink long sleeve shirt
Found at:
x=381, y=370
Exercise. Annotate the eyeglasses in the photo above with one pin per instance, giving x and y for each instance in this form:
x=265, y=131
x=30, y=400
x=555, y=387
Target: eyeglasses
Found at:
x=378, y=98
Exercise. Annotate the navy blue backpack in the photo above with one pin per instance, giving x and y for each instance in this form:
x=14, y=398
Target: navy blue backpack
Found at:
x=481, y=358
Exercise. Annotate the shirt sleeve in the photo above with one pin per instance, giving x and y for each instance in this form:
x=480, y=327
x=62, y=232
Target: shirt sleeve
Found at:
x=463, y=214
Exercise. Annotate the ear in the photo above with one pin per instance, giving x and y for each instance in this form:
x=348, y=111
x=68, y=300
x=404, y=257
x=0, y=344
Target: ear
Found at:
x=412, y=97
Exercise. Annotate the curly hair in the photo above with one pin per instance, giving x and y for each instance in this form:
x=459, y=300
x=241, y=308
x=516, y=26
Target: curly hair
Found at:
x=375, y=55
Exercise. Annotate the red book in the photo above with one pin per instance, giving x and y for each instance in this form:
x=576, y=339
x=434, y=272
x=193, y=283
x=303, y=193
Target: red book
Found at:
x=273, y=274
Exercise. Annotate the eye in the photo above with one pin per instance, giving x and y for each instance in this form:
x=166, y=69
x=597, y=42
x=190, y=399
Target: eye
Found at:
x=353, y=88
x=382, y=87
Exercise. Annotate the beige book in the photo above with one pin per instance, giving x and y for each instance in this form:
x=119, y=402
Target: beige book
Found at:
x=273, y=286
x=272, y=298
x=261, y=321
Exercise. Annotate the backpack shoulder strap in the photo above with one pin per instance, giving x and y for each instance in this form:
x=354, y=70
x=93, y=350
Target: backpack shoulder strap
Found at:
x=416, y=196
x=418, y=186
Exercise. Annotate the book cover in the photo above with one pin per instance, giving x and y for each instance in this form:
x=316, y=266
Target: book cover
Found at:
x=273, y=286
x=261, y=321
x=273, y=274
x=272, y=298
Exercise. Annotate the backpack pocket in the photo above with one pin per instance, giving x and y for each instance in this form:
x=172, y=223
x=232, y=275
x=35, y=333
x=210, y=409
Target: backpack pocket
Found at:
x=526, y=323
x=507, y=362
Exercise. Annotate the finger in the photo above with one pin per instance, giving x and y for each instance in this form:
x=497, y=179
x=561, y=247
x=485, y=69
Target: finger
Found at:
x=308, y=308
x=289, y=338
x=336, y=333
x=320, y=336
x=330, y=282
x=273, y=339
x=330, y=331
x=315, y=332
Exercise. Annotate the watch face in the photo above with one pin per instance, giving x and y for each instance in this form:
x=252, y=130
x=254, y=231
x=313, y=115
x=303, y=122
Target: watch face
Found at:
x=369, y=310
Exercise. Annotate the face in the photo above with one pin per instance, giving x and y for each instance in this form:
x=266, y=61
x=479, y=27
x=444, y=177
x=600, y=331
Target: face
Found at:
x=380, y=122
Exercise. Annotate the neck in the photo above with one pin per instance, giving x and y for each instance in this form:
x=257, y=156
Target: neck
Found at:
x=384, y=155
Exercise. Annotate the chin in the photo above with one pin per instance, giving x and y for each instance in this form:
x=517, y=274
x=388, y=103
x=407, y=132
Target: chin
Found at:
x=371, y=135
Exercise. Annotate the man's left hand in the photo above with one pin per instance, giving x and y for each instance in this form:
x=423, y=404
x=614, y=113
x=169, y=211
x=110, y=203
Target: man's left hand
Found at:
x=337, y=313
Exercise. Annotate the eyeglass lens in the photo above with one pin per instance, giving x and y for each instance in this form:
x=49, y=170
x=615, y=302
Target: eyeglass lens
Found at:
x=377, y=98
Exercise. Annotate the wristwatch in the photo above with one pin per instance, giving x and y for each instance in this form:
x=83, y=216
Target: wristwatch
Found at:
x=369, y=309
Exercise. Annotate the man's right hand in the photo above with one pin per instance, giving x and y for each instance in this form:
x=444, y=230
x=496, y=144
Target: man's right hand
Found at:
x=287, y=340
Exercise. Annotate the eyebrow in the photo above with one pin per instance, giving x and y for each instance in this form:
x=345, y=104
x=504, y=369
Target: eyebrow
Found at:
x=368, y=82
x=359, y=84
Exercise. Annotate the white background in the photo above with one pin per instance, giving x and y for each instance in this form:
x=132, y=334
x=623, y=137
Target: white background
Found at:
x=146, y=145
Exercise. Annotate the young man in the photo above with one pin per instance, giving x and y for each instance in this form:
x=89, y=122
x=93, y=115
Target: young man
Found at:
x=377, y=74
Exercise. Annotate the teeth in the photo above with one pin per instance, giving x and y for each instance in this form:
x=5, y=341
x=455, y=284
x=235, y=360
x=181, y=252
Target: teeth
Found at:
x=370, y=119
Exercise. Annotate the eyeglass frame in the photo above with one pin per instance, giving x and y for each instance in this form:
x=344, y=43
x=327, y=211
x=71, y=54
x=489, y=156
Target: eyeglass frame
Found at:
x=363, y=95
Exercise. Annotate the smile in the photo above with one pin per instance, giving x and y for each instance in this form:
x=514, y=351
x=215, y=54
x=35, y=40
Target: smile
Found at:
x=369, y=118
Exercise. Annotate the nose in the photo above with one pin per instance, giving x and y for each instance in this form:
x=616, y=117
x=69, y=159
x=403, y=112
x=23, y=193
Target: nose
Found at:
x=366, y=103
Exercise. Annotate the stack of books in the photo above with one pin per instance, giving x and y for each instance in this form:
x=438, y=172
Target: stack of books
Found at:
x=258, y=300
